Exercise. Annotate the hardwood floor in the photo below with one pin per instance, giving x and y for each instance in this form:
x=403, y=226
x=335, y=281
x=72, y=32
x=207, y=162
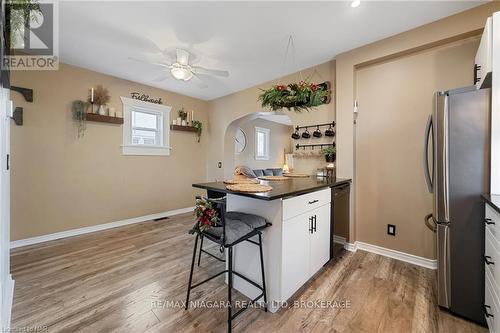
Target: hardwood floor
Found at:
x=118, y=281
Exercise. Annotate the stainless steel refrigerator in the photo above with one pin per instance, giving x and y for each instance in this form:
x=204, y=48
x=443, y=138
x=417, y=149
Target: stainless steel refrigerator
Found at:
x=456, y=164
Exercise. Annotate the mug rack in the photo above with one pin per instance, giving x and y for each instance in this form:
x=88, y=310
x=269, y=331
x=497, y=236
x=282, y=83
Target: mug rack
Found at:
x=312, y=146
x=332, y=124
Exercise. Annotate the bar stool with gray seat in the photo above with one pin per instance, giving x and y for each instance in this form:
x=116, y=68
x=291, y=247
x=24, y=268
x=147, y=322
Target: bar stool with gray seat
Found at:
x=231, y=229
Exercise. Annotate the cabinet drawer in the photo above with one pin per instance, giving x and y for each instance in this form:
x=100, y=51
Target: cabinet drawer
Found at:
x=491, y=304
x=492, y=255
x=303, y=203
x=492, y=222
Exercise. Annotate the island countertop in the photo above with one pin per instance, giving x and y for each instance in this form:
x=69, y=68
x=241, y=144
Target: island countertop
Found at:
x=281, y=189
x=493, y=200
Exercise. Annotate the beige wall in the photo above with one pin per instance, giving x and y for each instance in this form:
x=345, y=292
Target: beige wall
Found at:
x=390, y=182
x=345, y=76
x=279, y=140
x=60, y=182
x=225, y=110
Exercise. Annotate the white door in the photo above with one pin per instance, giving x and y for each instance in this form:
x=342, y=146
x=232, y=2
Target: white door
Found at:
x=320, y=239
x=296, y=238
x=6, y=283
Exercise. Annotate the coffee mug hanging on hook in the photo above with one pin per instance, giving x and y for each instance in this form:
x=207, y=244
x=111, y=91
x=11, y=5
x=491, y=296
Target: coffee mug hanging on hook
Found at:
x=296, y=134
x=306, y=134
x=317, y=133
x=330, y=131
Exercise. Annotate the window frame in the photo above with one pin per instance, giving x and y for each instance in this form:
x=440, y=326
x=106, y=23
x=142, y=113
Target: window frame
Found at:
x=267, y=136
x=163, y=121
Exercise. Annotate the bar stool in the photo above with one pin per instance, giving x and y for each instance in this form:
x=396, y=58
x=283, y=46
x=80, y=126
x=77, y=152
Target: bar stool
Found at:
x=234, y=228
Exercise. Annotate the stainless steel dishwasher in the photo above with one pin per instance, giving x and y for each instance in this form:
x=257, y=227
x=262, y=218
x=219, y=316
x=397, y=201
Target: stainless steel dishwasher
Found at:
x=339, y=216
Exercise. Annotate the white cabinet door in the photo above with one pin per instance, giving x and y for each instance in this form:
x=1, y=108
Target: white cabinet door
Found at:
x=295, y=271
x=483, y=59
x=320, y=239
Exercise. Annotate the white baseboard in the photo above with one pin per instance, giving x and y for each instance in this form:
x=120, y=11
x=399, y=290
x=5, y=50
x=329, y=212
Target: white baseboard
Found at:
x=94, y=228
x=406, y=257
x=339, y=240
x=6, y=304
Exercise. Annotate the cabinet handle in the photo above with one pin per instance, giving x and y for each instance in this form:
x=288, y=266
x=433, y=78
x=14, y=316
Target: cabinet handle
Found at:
x=487, y=261
x=314, y=223
x=488, y=221
x=476, y=78
x=486, y=307
x=311, y=225
x=314, y=201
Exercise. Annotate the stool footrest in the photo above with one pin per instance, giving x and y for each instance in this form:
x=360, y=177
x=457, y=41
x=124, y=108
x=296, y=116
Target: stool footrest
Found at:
x=213, y=255
x=255, y=284
x=206, y=280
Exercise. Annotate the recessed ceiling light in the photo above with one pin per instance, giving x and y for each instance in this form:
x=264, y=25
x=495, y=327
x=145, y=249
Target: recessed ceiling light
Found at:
x=355, y=3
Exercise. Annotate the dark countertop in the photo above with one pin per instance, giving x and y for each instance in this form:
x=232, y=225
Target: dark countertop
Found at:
x=493, y=200
x=281, y=189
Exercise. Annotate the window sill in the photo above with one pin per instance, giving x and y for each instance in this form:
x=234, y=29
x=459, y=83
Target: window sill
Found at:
x=146, y=150
x=262, y=158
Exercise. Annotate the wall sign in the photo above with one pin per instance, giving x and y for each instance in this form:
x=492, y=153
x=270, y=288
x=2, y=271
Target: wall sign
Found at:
x=146, y=98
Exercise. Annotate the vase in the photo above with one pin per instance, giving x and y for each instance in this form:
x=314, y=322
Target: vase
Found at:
x=101, y=110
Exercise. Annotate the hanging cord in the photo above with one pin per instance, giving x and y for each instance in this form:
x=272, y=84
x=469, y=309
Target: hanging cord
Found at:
x=291, y=45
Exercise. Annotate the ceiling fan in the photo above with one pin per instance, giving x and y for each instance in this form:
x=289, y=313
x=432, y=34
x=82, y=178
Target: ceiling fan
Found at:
x=182, y=70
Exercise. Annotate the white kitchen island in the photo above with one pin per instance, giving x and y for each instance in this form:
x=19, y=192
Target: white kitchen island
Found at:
x=297, y=244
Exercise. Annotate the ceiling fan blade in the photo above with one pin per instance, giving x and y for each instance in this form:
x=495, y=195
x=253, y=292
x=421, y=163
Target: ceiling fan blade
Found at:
x=198, y=82
x=182, y=56
x=206, y=71
x=150, y=62
x=162, y=77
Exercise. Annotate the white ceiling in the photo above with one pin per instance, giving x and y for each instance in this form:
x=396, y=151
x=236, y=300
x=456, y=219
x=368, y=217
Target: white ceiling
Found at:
x=248, y=39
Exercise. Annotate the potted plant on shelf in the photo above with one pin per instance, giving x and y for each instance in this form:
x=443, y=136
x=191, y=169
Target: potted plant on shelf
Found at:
x=298, y=96
x=101, y=98
x=199, y=127
x=330, y=153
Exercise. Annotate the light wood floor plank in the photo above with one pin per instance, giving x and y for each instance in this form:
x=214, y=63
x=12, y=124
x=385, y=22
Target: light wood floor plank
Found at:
x=116, y=280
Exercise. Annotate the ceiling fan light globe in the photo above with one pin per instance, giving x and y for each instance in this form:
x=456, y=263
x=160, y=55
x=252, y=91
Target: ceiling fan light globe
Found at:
x=181, y=73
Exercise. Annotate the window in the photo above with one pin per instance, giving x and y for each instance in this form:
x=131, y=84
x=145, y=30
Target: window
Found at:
x=145, y=128
x=262, y=143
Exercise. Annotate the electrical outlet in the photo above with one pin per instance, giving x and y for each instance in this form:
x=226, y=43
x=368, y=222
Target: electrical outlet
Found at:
x=391, y=229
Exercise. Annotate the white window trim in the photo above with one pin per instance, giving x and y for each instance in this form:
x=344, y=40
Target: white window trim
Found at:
x=267, y=132
x=130, y=149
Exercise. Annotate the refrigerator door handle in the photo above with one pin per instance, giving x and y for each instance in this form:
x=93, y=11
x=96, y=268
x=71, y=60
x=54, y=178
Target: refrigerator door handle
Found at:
x=430, y=225
x=428, y=177
x=443, y=254
x=441, y=159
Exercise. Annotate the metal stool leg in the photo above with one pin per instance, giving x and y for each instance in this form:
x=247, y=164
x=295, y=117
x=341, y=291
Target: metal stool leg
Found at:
x=201, y=248
x=191, y=272
x=263, y=274
x=229, y=287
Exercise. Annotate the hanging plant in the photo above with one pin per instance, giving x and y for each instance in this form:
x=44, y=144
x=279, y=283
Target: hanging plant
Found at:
x=199, y=128
x=16, y=20
x=78, y=108
x=302, y=96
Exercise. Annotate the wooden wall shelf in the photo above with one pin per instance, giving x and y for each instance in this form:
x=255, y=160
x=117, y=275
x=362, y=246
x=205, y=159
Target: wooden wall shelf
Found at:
x=183, y=128
x=103, y=119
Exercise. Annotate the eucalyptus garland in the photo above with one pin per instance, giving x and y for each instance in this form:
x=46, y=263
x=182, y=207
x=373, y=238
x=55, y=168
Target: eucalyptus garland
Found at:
x=302, y=96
